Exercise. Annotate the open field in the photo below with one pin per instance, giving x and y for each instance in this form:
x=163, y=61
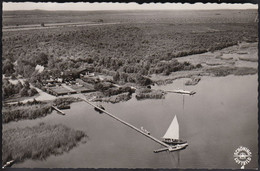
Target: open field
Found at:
x=60, y=90
x=12, y=18
x=38, y=142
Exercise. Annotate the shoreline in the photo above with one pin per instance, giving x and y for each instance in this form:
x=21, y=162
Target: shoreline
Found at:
x=242, y=60
x=228, y=67
x=241, y=57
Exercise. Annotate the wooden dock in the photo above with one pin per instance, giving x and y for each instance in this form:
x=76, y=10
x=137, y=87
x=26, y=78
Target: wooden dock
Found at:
x=181, y=92
x=160, y=150
x=129, y=125
x=58, y=110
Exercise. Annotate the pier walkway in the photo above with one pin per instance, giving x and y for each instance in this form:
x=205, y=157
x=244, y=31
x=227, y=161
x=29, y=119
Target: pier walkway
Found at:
x=181, y=92
x=58, y=110
x=128, y=124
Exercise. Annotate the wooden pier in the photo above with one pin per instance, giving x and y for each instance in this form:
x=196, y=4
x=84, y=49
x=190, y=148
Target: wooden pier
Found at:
x=58, y=110
x=181, y=92
x=160, y=150
x=129, y=125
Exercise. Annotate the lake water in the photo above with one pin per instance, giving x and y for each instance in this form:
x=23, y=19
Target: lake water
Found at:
x=219, y=118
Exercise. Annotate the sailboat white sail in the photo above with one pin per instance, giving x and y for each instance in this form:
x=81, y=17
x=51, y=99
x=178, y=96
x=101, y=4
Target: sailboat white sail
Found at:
x=173, y=130
x=171, y=137
x=172, y=134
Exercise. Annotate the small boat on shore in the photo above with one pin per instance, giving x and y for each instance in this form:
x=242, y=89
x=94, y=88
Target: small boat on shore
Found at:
x=98, y=110
x=8, y=164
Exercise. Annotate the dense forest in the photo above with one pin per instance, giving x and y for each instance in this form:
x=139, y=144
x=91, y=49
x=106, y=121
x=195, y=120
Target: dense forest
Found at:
x=128, y=51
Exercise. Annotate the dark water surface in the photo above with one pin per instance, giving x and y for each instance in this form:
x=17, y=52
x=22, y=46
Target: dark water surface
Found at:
x=219, y=118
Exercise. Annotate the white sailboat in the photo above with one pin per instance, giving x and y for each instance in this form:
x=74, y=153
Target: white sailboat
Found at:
x=172, y=136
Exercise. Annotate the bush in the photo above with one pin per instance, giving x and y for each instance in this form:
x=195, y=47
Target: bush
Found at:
x=24, y=92
x=8, y=67
x=198, y=66
x=64, y=101
x=147, y=93
x=13, y=76
x=26, y=85
x=143, y=81
x=115, y=91
x=32, y=92
x=103, y=86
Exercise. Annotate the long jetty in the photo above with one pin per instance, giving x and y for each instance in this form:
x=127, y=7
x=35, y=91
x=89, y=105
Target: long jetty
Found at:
x=181, y=92
x=129, y=125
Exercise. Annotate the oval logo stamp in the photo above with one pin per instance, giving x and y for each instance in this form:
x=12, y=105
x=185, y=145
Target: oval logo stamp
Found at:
x=242, y=156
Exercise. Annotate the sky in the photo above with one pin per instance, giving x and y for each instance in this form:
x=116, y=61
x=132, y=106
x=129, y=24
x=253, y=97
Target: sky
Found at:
x=121, y=6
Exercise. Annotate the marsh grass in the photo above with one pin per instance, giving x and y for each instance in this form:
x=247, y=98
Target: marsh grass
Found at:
x=15, y=113
x=38, y=142
x=249, y=59
x=64, y=101
x=224, y=71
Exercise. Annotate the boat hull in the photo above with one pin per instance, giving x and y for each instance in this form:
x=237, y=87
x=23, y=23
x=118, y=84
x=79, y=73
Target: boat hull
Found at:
x=98, y=110
x=178, y=147
x=172, y=148
x=175, y=142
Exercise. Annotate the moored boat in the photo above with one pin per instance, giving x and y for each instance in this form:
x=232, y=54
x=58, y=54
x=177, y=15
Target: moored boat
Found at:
x=8, y=164
x=172, y=136
x=178, y=147
x=98, y=110
x=145, y=131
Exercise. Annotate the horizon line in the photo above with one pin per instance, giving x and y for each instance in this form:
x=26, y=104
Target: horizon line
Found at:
x=219, y=9
x=47, y=6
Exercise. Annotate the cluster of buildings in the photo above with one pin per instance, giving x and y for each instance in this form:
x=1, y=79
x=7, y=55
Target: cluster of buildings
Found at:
x=80, y=81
